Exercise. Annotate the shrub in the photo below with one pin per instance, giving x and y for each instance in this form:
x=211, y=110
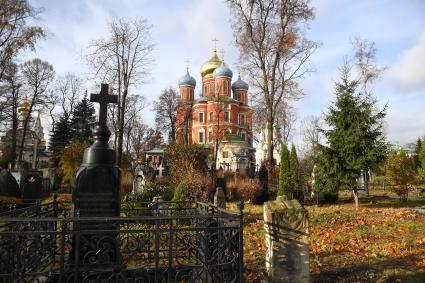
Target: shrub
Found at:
x=180, y=192
x=244, y=188
x=150, y=191
x=330, y=197
x=197, y=183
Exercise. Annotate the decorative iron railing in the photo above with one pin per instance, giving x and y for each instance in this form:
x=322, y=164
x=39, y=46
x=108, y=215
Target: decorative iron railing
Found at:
x=177, y=242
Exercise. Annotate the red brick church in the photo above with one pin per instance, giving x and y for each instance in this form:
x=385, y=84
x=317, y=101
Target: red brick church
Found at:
x=221, y=113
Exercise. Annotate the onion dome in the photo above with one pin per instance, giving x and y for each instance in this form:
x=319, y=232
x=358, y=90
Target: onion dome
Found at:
x=187, y=80
x=239, y=84
x=223, y=71
x=24, y=108
x=209, y=66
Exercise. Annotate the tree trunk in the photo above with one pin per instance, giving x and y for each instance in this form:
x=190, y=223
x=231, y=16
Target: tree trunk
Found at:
x=14, y=125
x=356, y=198
x=366, y=181
x=270, y=147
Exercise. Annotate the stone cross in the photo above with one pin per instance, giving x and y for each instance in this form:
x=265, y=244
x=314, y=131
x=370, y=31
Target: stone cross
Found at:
x=161, y=169
x=103, y=98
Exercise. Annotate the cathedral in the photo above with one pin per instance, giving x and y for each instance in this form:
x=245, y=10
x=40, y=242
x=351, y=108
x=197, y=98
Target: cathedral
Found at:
x=221, y=115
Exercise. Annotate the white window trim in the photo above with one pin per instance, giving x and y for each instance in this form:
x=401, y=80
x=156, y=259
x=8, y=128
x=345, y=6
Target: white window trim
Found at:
x=203, y=136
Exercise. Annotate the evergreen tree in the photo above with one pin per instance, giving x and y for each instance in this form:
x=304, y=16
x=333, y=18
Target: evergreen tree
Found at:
x=60, y=138
x=284, y=173
x=83, y=120
x=355, y=136
x=421, y=161
x=416, y=159
x=294, y=178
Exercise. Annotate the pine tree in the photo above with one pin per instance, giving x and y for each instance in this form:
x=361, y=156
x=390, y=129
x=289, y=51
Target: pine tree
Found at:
x=294, y=178
x=355, y=136
x=284, y=173
x=60, y=138
x=83, y=120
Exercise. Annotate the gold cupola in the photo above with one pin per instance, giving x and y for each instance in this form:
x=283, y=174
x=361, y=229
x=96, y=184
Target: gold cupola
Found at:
x=208, y=67
x=24, y=108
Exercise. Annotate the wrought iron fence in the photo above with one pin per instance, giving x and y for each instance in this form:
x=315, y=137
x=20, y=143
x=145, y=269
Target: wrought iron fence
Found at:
x=178, y=242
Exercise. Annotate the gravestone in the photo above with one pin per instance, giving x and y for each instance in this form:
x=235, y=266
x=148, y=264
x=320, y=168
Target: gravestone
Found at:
x=220, y=198
x=287, y=253
x=32, y=186
x=8, y=185
x=96, y=192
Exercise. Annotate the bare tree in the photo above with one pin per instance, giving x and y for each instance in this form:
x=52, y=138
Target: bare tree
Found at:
x=310, y=130
x=166, y=112
x=132, y=117
x=64, y=93
x=273, y=50
x=15, y=34
x=37, y=75
x=137, y=138
x=123, y=59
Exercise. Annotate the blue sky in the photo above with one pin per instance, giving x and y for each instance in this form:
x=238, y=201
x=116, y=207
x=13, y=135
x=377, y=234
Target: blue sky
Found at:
x=184, y=29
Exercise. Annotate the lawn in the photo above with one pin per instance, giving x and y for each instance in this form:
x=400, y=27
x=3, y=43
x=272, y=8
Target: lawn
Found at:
x=383, y=242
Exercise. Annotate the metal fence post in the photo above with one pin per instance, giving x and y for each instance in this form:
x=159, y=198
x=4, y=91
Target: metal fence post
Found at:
x=241, y=206
x=62, y=247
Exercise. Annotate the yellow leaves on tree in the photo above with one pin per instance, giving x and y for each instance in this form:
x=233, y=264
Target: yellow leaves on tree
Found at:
x=70, y=160
x=400, y=171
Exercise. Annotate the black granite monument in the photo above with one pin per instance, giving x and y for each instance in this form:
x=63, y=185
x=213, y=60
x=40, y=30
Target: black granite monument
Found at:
x=8, y=185
x=96, y=192
x=32, y=186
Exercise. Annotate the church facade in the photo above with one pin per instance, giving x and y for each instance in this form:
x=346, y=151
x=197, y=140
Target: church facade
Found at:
x=220, y=117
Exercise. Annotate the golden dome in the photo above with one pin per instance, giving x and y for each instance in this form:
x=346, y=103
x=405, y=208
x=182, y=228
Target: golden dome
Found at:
x=24, y=108
x=209, y=66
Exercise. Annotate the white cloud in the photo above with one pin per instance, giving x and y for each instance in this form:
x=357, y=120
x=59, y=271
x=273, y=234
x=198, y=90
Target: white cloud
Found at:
x=408, y=73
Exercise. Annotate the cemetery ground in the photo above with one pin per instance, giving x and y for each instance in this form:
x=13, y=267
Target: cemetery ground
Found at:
x=383, y=242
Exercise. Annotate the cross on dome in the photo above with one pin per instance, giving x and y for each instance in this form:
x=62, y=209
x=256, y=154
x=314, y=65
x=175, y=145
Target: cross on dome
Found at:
x=215, y=40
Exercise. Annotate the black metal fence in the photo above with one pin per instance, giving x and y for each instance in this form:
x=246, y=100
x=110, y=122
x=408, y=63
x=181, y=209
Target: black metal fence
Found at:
x=169, y=242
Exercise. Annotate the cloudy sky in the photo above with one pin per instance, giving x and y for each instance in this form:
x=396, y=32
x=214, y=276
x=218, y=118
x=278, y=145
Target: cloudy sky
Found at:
x=184, y=30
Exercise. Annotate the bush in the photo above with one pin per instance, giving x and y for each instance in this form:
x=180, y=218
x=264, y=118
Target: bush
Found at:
x=330, y=197
x=150, y=191
x=180, y=192
x=248, y=190
x=197, y=183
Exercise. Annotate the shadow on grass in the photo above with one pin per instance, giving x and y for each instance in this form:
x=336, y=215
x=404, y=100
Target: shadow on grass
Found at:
x=389, y=202
x=385, y=271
